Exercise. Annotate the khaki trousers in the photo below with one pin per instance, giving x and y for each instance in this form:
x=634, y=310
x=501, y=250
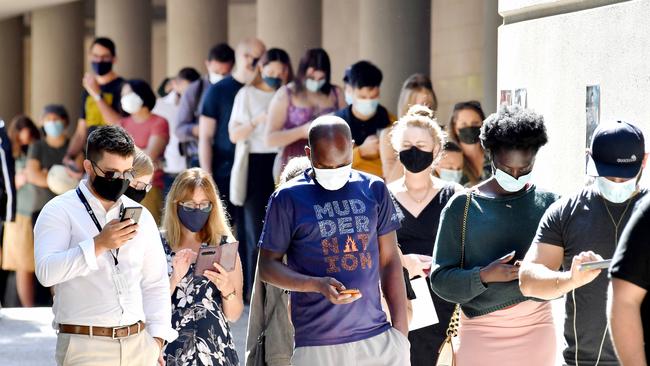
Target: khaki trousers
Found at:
x=83, y=350
x=390, y=348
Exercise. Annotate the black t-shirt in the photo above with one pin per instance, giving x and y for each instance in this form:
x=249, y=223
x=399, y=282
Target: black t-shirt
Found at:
x=631, y=261
x=217, y=104
x=580, y=223
x=111, y=93
x=362, y=129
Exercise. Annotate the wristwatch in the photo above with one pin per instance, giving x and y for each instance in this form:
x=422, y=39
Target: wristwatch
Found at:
x=230, y=295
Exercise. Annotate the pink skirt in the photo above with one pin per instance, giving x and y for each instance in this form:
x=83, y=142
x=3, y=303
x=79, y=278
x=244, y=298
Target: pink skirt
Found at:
x=521, y=335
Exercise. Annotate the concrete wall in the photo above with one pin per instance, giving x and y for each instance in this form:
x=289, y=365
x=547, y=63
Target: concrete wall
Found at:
x=341, y=22
x=242, y=21
x=463, y=61
x=555, y=57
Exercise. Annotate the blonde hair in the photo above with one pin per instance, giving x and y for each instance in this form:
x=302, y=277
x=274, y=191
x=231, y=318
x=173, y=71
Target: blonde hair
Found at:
x=422, y=117
x=415, y=83
x=182, y=189
x=142, y=164
x=295, y=167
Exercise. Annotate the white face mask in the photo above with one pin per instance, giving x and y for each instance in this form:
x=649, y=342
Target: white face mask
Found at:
x=451, y=175
x=214, y=77
x=131, y=103
x=314, y=85
x=616, y=192
x=333, y=179
x=366, y=107
x=510, y=183
x=349, y=98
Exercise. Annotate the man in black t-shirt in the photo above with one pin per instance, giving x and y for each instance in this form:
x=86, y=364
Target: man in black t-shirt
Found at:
x=365, y=116
x=100, y=99
x=586, y=227
x=630, y=308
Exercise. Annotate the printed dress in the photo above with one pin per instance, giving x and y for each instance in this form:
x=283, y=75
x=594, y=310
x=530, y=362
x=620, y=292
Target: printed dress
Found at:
x=204, y=337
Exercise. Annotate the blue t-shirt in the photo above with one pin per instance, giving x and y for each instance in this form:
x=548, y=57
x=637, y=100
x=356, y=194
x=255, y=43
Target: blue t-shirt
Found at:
x=332, y=234
x=217, y=104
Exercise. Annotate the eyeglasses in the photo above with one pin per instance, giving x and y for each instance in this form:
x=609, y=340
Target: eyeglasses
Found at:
x=142, y=186
x=110, y=175
x=191, y=206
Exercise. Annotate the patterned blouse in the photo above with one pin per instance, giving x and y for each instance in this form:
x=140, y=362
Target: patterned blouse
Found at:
x=204, y=337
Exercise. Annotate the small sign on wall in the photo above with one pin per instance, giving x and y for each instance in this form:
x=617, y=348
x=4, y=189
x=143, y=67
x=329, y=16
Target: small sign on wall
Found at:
x=521, y=98
x=506, y=97
x=592, y=111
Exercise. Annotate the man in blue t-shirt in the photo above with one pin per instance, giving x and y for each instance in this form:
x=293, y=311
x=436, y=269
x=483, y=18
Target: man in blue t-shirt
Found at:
x=337, y=227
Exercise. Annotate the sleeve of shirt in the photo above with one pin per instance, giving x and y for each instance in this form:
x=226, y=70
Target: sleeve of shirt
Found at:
x=277, y=232
x=56, y=259
x=550, y=230
x=210, y=107
x=35, y=151
x=156, y=299
x=448, y=279
x=387, y=219
x=160, y=128
x=186, y=109
x=631, y=260
x=240, y=113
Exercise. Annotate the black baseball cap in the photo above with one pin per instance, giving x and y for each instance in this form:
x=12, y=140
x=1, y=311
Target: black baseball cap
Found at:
x=617, y=150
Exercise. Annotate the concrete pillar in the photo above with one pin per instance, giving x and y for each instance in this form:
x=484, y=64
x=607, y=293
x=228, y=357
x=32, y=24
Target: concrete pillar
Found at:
x=244, y=21
x=128, y=24
x=293, y=25
x=11, y=67
x=491, y=22
x=192, y=28
x=395, y=35
x=341, y=22
x=57, y=57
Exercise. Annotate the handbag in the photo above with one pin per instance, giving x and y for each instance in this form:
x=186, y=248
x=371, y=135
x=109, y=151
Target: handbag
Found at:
x=257, y=355
x=446, y=353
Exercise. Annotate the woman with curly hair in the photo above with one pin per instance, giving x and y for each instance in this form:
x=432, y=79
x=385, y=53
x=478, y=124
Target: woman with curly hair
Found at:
x=498, y=325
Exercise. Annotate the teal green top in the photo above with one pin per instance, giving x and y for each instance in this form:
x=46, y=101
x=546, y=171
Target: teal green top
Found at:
x=495, y=227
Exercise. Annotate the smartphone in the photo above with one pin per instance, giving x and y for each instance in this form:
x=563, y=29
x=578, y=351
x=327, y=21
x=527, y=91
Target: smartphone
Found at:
x=587, y=266
x=224, y=254
x=131, y=213
x=350, y=291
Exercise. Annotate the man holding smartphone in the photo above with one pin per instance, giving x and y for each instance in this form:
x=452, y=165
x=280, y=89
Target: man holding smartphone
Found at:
x=582, y=228
x=337, y=228
x=112, y=303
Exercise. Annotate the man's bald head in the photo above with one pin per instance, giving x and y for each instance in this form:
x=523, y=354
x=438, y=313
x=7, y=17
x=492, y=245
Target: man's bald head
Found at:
x=330, y=142
x=249, y=46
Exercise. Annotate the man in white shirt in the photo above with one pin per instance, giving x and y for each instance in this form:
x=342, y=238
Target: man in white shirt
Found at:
x=112, y=304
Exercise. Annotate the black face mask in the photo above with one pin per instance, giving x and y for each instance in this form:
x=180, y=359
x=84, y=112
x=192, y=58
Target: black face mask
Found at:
x=415, y=160
x=469, y=135
x=135, y=194
x=110, y=189
x=102, y=67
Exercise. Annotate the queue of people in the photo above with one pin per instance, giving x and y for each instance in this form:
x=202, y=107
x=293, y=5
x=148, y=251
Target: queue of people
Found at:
x=344, y=216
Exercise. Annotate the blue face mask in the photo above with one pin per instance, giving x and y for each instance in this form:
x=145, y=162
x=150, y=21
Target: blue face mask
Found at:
x=510, y=183
x=274, y=83
x=616, y=192
x=349, y=98
x=193, y=219
x=53, y=128
x=314, y=85
x=366, y=107
x=451, y=175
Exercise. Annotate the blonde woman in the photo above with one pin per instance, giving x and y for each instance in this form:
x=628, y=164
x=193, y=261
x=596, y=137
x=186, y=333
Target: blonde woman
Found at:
x=202, y=306
x=143, y=170
x=416, y=90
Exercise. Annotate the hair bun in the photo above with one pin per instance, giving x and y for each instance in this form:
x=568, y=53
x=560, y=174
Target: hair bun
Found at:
x=420, y=110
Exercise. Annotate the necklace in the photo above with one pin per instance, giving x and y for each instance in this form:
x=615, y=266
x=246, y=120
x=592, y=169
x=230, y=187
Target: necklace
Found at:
x=426, y=194
x=573, y=292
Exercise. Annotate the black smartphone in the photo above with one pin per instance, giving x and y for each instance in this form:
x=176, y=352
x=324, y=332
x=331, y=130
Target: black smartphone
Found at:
x=132, y=213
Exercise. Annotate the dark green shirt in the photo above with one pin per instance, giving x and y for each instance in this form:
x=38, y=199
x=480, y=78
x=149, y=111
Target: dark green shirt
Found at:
x=495, y=227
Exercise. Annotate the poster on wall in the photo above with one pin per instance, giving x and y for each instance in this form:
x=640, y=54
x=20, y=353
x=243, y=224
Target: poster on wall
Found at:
x=521, y=98
x=592, y=111
x=506, y=97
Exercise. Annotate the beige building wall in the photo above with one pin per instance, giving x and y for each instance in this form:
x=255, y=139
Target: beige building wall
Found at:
x=242, y=21
x=159, y=54
x=341, y=35
x=11, y=67
x=463, y=61
x=556, y=57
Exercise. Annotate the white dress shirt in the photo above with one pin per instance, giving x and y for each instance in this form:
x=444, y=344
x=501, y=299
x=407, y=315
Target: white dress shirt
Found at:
x=85, y=290
x=249, y=103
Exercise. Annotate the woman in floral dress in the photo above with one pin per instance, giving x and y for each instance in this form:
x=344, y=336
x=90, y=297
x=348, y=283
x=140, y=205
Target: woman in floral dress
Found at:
x=202, y=306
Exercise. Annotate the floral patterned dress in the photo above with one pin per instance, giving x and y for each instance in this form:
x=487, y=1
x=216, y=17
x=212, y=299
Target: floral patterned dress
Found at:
x=204, y=337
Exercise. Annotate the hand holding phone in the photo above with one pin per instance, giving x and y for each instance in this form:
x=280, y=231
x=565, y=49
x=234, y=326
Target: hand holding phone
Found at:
x=224, y=254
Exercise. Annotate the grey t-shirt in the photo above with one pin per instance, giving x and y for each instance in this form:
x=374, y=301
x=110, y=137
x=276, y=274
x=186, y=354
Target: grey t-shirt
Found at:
x=580, y=223
x=47, y=156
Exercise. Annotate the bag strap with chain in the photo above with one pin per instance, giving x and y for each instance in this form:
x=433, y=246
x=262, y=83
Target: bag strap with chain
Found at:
x=452, y=329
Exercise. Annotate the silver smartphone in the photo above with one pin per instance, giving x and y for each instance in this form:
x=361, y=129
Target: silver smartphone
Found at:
x=588, y=266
